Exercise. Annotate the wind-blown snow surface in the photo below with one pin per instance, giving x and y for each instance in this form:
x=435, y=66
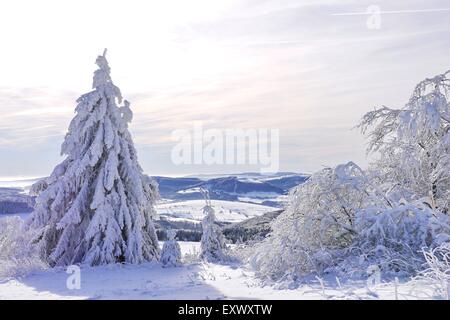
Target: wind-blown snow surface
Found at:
x=191, y=281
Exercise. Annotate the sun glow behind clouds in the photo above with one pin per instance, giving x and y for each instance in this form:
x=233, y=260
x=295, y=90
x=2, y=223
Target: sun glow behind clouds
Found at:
x=289, y=65
x=64, y=36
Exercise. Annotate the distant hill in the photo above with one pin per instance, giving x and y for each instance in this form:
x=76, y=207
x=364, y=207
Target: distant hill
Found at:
x=168, y=187
x=287, y=182
x=250, y=187
x=253, y=229
x=13, y=200
x=233, y=185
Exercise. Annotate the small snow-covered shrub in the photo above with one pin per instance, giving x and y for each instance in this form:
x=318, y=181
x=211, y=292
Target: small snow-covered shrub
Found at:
x=437, y=273
x=17, y=256
x=171, y=251
x=192, y=256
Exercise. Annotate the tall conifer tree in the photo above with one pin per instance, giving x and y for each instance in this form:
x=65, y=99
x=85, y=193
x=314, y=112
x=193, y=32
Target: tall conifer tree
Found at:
x=97, y=206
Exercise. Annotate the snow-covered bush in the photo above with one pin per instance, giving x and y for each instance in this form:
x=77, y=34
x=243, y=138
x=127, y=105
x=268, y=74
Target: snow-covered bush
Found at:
x=17, y=257
x=318, y=222
x=97, y=207
x=212, y=244
x=394, y=239
x=338, y=221
x=412, y=170
x=171, y=251
x=349, y=220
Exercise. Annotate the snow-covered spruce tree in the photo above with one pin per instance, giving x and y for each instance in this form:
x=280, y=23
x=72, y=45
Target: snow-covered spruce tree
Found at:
x=212, y=243
x=97, y=207
x=414, y=145
x=171, y=251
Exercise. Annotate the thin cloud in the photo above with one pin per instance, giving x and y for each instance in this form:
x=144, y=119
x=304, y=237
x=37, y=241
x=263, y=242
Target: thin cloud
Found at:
x=310, y=69
x=392, y=12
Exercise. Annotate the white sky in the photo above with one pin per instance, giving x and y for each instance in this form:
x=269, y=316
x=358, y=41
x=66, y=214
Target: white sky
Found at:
x=297, y=66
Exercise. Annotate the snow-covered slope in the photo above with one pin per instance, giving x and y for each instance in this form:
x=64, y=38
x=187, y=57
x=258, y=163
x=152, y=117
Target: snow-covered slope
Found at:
x=14, y=200
x=226, y=211
x=191, y=210
x=268, y=190
x=251, y=188
x=193, y=280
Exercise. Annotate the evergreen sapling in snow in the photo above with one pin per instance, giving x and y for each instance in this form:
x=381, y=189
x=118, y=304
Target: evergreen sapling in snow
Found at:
x=171, y=251
x=212, y=243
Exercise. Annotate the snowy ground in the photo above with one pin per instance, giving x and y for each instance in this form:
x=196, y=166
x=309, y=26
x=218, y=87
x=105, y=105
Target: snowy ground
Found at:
x=194, y=280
